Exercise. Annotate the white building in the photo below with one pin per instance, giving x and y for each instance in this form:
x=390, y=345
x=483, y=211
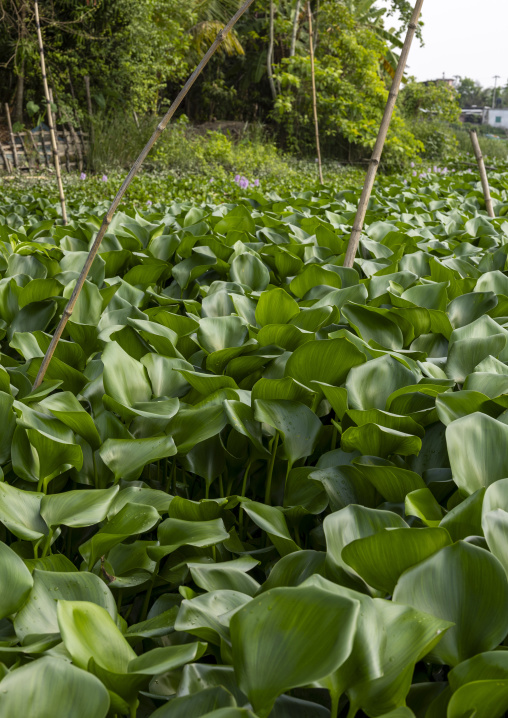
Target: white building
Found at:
x=497, y=117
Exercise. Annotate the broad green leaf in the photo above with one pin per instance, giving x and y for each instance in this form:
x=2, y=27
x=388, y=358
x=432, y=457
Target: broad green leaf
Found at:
x=483, y=699
x=250, y=270
x=441, y=586
x=127, y=457
x=473, y=447
x=174, y=533
x=282, y=640
x=125, y=379
x=275, y=307
x=297, y=424
x=88, y=631
x=77, y=508
x=53, y=688
x=20, y=512
x=131, y=520
x=271, y=520
x=369, y=386
x=197, y=705
x=324, y=361
x=381, y=558
x=375, y=440
x=38, y=616
x=392, y=482
x=15, y=579
x=355, y=522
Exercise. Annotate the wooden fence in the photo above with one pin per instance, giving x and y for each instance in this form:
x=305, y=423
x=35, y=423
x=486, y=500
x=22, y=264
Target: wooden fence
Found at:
x=32, y=149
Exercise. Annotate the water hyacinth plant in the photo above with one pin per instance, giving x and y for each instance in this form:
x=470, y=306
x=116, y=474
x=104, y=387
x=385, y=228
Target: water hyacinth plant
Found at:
x=255, y=482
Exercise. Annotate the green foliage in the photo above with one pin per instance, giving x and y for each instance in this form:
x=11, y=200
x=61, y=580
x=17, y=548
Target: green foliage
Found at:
x=351, y=94
x=255, y=482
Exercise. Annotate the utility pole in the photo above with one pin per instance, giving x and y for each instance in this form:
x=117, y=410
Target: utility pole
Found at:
x=496, y=78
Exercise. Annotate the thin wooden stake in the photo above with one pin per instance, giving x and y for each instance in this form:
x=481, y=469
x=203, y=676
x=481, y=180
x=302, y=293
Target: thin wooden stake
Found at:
x=11, y=135
x=35, y=149
x=7, y=164
x=483, y=173
x=27, y=157
x=314, y=95
x=54, y=145
x=132, y=173
x=354, y=240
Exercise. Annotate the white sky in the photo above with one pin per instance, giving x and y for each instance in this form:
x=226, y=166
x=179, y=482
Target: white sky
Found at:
x=462, y=37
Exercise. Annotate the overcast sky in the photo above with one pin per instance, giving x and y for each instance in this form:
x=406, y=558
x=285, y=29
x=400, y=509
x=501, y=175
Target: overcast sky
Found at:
x=462, y=37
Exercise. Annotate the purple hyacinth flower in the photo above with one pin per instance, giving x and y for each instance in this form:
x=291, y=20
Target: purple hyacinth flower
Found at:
x=104, y=178
x=412, y=164
x=237, y=179
x=256, y=183
x=244, y=183
x=82, y=176
x=149, y=203
x=415, y=173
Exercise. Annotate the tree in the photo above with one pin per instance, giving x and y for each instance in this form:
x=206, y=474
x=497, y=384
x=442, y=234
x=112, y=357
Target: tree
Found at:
x=471, y=93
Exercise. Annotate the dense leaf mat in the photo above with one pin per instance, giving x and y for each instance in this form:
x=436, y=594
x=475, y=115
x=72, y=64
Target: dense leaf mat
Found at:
x=255, y=482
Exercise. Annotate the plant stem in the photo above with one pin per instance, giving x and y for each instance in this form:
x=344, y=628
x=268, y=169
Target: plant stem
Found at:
x=243, y=492
x=334, y=712
x=148, y=595
x=268, y=491
x=483, y=173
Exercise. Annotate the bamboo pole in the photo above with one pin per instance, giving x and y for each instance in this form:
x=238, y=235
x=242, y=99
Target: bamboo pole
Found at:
x=370, y=178
x=314, y=95
x=54, y=145
x=483, y=173
x=132, y=173
x=11, y=135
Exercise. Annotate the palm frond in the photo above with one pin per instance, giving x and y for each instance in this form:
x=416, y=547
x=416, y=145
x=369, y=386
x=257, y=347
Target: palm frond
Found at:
x=204, y=34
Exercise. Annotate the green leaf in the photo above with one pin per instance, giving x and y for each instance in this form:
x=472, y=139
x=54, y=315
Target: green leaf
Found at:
x=131, y=520
x=370, y=385
x=473, y=447
x=298, y=425
x=38, y=616
x=271, y=520
x=77, y=508
x=16, y=581
x=325, y=361
x=53, y=688
x=125, y=378
x=441, y=586
x=275, y=307
x=88, y=631
x=20, y=512
x=197, y=705
x=174, y=533
x=483, y=699
x=282, y=640
x=127, y=457
x=249, y=270
x=375, y=440
x=381, y=558
x=355, y=522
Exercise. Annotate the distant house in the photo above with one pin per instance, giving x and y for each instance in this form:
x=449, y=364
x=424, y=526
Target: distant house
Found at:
x=497, y=117
x=441, y=81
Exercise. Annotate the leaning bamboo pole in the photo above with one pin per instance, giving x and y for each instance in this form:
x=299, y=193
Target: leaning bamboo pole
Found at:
x=483, y=173
x=132, y=173
x=314, y=94
x=370, y=178
x=54, y=145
